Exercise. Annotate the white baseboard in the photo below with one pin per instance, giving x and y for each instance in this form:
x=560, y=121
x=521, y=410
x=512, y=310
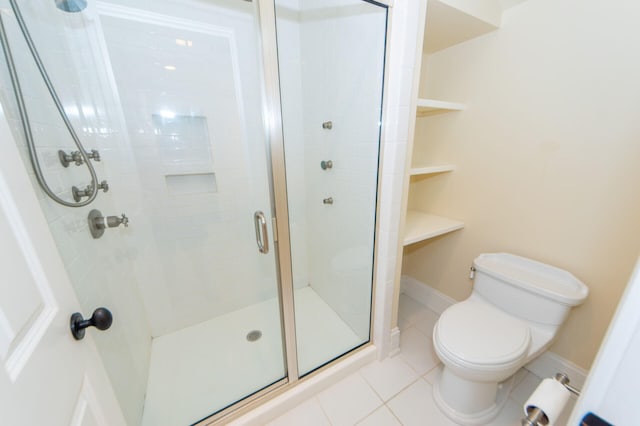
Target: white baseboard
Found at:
x=395, y=342
x=549, y=363
x=425, y=294
x=546, y=365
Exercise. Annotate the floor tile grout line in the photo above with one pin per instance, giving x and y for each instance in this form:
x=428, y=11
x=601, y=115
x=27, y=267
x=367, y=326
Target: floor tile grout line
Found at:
x=358, y=372
x=368, y=414
x=326, y=416
x=374, y=391
x=370, y=386
x=405, y=388
x=384, y=402
x=395, y=394
x=418, y=372
x=393, y=413
x=424, y=376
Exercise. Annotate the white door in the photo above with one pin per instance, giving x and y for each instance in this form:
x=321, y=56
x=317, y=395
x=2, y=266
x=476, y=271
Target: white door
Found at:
x=613, y=385
x=46, y=377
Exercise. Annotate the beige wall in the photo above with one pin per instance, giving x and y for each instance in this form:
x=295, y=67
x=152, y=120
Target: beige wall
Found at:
x=547, y=154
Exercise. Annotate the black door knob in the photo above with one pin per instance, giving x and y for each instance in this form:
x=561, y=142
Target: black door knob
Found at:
x=101, y=319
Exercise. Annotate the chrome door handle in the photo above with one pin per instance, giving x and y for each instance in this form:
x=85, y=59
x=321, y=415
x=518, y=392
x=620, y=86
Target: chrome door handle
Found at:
x=262, y=238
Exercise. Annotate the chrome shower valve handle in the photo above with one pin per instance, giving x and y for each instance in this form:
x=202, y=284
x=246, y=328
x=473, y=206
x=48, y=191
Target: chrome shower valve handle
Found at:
x=113, y=221
x=79, y=193
x=76, y=157
x=98, y=223
x=88, y=191
x=94, y=155
x=72, y=157
x=104, y=186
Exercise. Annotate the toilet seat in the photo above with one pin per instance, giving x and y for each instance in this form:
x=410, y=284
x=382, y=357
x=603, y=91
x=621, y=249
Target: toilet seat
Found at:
x=473, y=334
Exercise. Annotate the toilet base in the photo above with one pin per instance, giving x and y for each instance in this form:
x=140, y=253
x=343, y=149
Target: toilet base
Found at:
x=465, y=408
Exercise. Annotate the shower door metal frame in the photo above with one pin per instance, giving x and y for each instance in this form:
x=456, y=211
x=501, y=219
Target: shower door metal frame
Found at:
x=279, y=202
x=272, y=114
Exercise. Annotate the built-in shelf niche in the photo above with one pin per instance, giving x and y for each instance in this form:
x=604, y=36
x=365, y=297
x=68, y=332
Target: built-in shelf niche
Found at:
x=421, y=226
x=426, y=107
x=450, y=22
x=431, y=170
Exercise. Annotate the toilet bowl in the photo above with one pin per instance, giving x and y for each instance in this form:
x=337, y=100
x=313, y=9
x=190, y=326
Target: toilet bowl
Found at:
x=512, y=315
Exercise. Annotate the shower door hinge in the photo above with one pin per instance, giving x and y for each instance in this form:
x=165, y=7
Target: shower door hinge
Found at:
x=274, y=226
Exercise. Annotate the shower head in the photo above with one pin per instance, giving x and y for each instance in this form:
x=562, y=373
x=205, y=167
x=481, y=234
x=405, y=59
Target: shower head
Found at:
x=71, y=5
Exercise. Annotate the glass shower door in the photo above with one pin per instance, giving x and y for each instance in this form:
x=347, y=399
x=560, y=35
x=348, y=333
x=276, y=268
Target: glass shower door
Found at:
x=331, y=60
x=190, y=86
x=171, y=95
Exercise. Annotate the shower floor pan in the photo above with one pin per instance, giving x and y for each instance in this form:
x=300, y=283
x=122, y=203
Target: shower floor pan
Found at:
x=203, y=368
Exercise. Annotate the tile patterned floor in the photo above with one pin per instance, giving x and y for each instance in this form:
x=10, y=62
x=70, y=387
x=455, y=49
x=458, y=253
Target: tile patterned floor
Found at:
x=398, y=391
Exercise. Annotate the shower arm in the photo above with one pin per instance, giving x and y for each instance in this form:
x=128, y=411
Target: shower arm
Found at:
x=56, y=100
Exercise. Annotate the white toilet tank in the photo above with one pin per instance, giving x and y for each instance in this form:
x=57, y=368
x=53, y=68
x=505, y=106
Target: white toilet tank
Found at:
x=527, y=289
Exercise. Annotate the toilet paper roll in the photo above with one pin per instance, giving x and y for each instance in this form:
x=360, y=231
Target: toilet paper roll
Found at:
x=551, y=397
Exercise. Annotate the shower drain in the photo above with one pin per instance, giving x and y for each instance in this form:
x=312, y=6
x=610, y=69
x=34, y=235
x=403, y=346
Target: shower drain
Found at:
x=254, y=335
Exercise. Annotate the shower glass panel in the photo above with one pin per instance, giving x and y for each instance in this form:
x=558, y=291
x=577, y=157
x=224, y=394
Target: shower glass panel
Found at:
x=331, y=59
x=170, y=93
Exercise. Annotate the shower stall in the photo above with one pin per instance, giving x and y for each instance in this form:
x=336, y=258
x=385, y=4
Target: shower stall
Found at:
x=239, y=142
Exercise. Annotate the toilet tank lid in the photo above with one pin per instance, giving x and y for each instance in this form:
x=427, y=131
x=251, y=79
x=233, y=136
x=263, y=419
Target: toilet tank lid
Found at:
x=535, y=277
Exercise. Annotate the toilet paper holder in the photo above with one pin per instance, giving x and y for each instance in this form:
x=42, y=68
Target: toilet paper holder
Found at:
x=535, y=416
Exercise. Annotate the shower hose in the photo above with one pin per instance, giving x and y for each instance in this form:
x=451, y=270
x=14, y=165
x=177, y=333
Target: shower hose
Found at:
x=24, y=118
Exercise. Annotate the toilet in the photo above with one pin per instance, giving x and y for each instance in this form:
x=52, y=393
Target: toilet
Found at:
x=513, y=314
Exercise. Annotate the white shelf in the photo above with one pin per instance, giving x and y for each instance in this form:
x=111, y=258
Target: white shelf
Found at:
x=433, y=106
x=451, y=22
x=422, y=226
x=419, y=171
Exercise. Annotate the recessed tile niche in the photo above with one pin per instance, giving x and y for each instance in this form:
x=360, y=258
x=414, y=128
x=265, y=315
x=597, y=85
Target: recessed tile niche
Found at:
x=185, y=152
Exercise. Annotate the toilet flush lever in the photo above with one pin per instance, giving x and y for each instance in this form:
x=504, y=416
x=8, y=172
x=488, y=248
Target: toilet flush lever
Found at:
x=472, y=272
